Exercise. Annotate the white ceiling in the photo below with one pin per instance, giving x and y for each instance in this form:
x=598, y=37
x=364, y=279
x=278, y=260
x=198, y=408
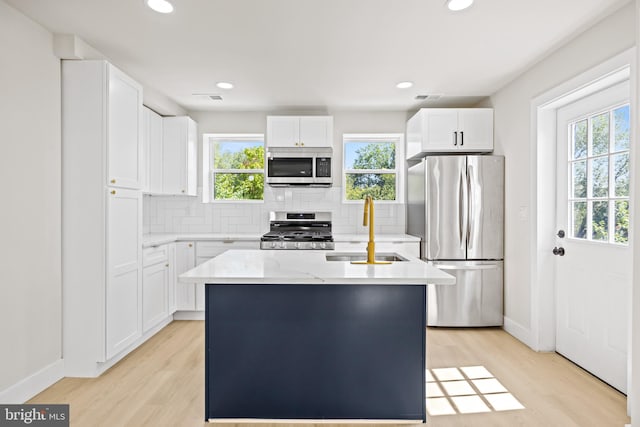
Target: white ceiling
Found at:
x=321, y=54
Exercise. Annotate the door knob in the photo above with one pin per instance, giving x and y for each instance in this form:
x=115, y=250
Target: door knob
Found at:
x=560, y=233
x=558, y=251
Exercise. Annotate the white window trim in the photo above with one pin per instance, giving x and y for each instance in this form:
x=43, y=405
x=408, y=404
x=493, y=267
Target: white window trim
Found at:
x=207, y=166
x=398, y=138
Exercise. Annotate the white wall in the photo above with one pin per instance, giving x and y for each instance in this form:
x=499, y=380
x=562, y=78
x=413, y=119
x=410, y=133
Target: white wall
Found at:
x=512, y=104
x=30, y=217
x=189, y=215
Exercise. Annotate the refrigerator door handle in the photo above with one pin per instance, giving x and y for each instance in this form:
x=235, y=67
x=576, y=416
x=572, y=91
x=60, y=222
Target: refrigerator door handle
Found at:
x=466, y=267
x=462, y=209
x=470, y=206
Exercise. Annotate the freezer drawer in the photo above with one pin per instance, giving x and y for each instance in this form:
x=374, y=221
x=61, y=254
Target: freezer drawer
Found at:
x=475, y=300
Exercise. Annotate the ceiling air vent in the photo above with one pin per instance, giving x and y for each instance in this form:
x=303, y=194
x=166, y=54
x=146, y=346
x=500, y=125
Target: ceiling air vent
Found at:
x=212, y=96
x=433, y=97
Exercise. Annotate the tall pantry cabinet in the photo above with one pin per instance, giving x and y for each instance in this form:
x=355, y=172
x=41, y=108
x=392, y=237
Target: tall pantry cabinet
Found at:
x=102, y=215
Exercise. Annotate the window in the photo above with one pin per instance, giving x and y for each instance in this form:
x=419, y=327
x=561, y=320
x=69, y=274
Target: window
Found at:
x=599, y=176
x=370, y=166
x=233, y=167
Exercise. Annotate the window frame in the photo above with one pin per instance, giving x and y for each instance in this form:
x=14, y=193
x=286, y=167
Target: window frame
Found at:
x=209, y=171
x=398, y=140
x=589, y=157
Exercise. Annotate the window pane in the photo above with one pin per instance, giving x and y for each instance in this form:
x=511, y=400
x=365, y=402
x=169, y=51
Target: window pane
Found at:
x=599, y=177
x=369, y=155
x=580, y=139
x=600, y=221
x=238, y=155
x=579, y=179
x=579, y=220
x=600, y=132
x=622, y=222
x=381, y=186
x=621, y=128
x=238, y=186
x=621, y=171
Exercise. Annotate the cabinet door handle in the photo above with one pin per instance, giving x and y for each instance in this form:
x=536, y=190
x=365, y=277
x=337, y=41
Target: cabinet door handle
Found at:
x=166, y=265
x=461, y=138
x=113, y=181
x=183, y=191
x=113, y=191
x=302, y=144
x=455, y=138
x=190, y=245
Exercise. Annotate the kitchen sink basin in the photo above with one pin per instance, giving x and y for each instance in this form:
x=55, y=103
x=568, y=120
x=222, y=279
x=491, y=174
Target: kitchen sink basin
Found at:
x=348, y=257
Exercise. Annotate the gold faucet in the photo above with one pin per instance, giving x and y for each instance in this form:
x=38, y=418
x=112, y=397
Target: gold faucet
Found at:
x=371, y=246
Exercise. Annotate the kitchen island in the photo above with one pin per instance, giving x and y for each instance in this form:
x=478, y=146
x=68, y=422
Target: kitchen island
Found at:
x=291, y=335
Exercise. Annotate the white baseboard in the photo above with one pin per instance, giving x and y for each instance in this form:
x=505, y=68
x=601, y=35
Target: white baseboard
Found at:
x=33, y=384
x=518, y=331
x=188, y=315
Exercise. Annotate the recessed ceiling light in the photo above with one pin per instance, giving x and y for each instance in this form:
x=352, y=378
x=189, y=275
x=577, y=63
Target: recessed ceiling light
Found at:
x=404, y=85
x=224, y=85
x=160, y=6
x=456, y=5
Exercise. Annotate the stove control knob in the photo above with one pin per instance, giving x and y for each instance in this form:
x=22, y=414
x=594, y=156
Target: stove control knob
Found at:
x=298, y=245
x=313, y=245
x=282, y=244
x=323, y=245
x=273, y=245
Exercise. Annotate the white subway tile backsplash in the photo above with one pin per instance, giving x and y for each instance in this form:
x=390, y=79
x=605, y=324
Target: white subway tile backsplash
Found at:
x=168, y=214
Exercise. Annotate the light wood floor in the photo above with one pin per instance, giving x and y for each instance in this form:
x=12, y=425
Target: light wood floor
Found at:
x=162, y=384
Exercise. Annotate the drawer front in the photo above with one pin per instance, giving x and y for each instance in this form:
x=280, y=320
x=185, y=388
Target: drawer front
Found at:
x=211, y=249
x=155, y=254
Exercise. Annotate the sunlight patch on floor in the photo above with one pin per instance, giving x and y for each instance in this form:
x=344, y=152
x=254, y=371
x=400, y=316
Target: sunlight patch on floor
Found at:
x=466, y=390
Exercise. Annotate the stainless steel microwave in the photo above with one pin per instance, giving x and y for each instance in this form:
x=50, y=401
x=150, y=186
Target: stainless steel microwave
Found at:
x=299, y=166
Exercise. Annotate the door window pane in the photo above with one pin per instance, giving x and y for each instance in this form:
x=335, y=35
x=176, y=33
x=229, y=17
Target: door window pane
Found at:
x=599, y=171
x=621, y=174
x=600, y=221
x=579, y=216
x=600, y=132
x=622, y=222
x=599, y=176
x=580, y=139
x=621, y=128
x=579, y=179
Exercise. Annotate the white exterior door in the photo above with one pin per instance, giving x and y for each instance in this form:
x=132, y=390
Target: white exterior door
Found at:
x=593, y=266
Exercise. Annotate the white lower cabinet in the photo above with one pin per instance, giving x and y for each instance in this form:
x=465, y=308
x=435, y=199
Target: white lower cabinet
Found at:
x=155, y=290
x=185, y=260
x=190, y=297
x=408, y=248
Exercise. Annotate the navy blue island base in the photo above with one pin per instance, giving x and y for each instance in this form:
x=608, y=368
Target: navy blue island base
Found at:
x=307, y=351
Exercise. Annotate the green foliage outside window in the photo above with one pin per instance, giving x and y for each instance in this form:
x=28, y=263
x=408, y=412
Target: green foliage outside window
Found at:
x=371, y=156
x=229, y=182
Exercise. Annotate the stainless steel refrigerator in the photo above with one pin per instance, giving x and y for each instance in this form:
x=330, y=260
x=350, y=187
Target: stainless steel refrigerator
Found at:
x=455, y=204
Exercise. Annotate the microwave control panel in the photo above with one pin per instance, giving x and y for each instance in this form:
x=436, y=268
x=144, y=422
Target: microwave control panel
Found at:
x=323, y=167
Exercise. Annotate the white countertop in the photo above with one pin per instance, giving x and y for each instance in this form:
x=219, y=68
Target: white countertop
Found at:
x=251, y=266
x=155, y=239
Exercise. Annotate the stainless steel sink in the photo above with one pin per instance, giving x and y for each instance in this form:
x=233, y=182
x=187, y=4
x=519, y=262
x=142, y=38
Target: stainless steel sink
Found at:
x=352, y=256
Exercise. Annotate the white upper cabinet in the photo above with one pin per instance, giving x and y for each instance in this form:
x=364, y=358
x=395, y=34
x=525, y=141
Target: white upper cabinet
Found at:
x=152, y=152
x=450, y=130
x=300, y=131
x=124, y=129
x=179, y=156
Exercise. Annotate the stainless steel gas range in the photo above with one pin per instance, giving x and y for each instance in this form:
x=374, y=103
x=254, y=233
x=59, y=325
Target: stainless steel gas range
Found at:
x=298, y=230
